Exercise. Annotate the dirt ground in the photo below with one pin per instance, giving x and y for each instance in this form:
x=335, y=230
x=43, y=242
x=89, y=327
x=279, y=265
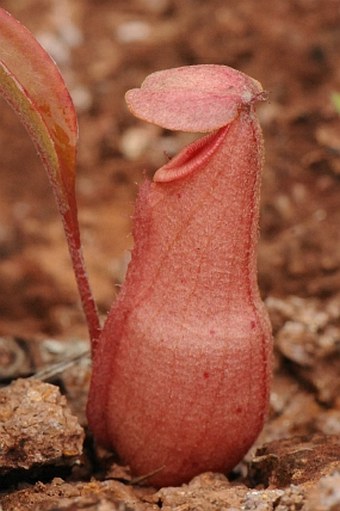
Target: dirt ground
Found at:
x=104, y=48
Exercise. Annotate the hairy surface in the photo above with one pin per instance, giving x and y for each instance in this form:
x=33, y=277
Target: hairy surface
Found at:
x=182, y=369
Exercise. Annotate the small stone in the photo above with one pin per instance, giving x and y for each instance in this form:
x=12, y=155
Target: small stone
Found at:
x=61, y=495
x=206, y=492
x=261, y=500
x=325, y=496
x=36, y=427
x=133, y=31
x=136, y=141
x=13, y=359
x=307, y=333
x=296, y=460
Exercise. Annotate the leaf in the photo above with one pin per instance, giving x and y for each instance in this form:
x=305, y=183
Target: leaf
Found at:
x=184, y=99
x=335, y=98
x=33, y=86
x=31, y=83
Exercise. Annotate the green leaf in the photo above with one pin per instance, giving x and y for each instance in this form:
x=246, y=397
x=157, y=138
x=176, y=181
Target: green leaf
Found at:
x=335, y=98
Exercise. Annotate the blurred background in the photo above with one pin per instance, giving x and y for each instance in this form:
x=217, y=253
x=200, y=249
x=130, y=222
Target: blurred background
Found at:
x=105, y=47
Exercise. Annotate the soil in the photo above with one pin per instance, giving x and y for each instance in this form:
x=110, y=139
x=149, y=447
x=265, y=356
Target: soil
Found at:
x=104, y=48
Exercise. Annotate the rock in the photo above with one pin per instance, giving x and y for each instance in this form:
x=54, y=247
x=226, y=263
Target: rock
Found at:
x=210, y=492
x=296, y=460
x=14, y=359
x=325, y=496
x=92, y=496
x=290, y=499
x=307, y=332
x=207, y=492
x=36, y=427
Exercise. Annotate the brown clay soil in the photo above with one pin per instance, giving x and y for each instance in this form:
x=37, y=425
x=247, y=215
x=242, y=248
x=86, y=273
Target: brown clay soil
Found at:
x=104, y=48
